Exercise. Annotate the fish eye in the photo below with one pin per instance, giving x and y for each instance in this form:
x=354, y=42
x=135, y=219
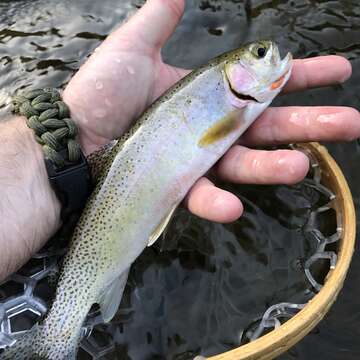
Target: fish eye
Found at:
x=259, y=51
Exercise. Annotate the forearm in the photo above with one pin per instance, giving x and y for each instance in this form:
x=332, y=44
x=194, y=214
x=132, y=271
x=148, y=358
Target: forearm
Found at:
x=29, y=208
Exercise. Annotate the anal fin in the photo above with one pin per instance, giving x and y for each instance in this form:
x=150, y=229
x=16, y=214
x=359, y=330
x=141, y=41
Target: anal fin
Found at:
x=112, y=295
x=161, y=227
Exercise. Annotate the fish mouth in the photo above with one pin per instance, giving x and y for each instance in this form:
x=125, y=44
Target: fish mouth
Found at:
x=285, y=72
x=269, y=89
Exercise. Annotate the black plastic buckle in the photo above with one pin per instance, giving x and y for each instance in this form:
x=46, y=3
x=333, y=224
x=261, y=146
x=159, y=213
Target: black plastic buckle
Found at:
x=72, y=185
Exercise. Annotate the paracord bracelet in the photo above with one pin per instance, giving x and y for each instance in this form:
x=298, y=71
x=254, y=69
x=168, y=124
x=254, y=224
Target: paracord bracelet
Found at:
x=56, y=132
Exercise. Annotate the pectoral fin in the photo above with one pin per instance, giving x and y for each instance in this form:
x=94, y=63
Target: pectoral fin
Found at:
x=161, y=227
x=112, y=295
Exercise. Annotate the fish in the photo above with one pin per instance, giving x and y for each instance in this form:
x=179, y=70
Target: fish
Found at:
x=143, y=178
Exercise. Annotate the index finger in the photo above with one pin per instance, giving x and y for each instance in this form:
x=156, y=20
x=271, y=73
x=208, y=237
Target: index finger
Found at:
x=317, y=72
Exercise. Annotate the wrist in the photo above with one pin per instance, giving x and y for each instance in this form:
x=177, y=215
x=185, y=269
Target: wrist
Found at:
x=29, y=209
x=89, y=140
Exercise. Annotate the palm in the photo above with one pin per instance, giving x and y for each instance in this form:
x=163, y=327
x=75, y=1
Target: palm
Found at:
x=119, y=81
x=166, y=76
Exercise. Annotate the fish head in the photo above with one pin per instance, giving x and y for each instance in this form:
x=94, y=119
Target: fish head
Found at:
x=255, y=74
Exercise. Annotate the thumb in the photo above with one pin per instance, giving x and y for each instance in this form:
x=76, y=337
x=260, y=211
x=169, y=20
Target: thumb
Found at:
x=155, y=22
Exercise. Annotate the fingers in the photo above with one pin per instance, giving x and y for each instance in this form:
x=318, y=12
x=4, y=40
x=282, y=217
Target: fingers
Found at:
x=154, y=23
x=243, y=165
x=209, y=202
x=285, y=125
x=318, y=71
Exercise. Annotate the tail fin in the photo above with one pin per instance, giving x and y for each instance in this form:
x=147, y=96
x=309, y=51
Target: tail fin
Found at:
x=31, y=346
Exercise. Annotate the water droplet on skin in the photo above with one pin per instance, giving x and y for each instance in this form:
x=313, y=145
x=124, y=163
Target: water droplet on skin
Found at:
x=99, y=113
x=327, y=118
x=118, y=60
x=99, y=85
x=303, y=120
x=130, y=70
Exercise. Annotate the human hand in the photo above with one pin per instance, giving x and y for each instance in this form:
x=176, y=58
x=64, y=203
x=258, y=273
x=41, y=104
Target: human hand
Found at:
x=126, y=74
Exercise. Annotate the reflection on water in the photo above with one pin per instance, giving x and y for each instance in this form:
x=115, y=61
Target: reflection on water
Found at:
x=211, y=282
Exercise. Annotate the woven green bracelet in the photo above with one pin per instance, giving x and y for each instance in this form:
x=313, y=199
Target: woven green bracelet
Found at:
x=56, y=132
x=49, y=117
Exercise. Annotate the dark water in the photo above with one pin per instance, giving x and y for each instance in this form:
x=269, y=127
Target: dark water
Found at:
x=256, y=263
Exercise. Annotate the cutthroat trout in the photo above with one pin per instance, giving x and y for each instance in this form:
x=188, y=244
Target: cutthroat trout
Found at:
x=144, y=178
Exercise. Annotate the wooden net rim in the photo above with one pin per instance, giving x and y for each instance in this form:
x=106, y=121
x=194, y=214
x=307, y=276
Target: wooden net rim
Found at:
x=278, y=341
